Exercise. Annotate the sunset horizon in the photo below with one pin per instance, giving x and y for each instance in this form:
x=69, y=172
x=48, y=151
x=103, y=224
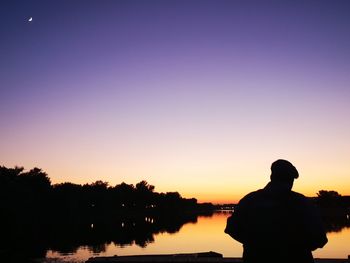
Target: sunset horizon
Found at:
x=128, y=125
x=213, y=197
x=195, y=97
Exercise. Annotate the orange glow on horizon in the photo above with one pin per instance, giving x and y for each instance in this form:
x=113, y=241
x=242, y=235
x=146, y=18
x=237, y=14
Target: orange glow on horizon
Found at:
x=216, y=182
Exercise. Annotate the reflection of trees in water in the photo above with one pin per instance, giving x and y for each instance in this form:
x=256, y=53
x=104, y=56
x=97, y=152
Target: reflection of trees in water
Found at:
x=36, y=215
x=335, y=210
x=66, y=236
x=122, y=231
x=336, y=224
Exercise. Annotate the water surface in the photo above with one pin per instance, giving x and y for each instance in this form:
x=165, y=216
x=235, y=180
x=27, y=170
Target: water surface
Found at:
x=207, y=234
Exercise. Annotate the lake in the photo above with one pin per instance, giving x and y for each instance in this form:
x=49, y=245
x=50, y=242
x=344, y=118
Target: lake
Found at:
x=204, y=234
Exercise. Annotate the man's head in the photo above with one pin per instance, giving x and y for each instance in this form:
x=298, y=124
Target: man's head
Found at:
x=284, y=172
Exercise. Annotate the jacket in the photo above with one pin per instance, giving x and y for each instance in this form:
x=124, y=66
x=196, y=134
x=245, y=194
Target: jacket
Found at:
x=276, y=225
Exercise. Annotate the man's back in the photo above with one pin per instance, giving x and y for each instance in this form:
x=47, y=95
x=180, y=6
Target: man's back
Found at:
x=276, y=225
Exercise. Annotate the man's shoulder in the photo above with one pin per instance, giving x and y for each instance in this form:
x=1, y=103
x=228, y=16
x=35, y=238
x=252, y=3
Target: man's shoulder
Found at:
x=252, y=196
x=298, y=196
x=301, y=200
x=261, y=195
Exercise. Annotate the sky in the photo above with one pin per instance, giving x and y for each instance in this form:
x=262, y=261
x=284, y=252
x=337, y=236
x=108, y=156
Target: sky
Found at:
x=193, y=96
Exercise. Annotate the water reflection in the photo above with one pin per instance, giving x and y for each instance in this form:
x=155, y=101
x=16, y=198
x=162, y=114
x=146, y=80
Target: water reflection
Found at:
x=134, y=235
x=67, y=236
x=336, y=224
x=205, y=235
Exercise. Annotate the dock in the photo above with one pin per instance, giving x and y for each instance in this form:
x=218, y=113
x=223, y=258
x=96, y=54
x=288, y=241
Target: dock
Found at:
x=191, y=257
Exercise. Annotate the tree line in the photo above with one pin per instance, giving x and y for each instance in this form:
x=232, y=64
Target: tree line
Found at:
x=31, y=193
x=37, y=215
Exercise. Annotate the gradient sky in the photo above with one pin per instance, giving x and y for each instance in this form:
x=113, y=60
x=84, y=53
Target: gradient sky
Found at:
x=198, y=97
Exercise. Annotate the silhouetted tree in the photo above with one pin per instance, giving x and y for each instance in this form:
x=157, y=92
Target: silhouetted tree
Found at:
x=331, y=203
x=124, y=195
x=69, y=200
x=24, y=194
x=144, y=195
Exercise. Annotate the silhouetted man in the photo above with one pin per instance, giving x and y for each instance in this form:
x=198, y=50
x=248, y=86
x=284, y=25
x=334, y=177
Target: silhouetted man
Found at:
x=275, y=224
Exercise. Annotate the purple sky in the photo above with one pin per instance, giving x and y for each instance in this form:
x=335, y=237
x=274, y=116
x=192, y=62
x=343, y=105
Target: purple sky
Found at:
x=194, y=96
